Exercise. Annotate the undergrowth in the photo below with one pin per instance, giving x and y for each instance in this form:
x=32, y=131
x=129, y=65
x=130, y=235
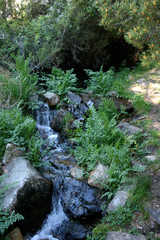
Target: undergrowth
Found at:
x=118, y=219
x=7, y=218
x=60, y=82
x=15, y=127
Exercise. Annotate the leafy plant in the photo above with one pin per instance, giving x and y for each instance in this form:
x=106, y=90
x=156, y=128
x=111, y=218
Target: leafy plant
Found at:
x=36, y=150
x=23, y=76
x=15, y=127
x=121, y=217
x=103, y=142
x=102, y=82
x=60, y=82
x=6, y=218
x=140, y=104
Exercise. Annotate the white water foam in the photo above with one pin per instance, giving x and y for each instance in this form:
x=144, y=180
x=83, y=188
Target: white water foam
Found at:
x=54, y=220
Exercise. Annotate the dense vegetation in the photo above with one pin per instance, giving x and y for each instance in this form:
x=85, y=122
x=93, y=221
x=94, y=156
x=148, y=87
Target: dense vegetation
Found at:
x=42, y=34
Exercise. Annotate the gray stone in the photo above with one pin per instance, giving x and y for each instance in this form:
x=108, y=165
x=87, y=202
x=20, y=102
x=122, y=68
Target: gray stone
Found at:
x=98, y=176
x=11, y=151
x=52, y=98
x=30, y=194
x=155, y=214
x=74, y=98
x=151, y=158
x=128, y=128
x=119, y=200
x=77, y=172
x=123, y=236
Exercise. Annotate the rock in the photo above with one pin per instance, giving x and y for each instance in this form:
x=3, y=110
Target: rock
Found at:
x=98, y=176
x=15, y=234
x=71, y=231
x=128, y=128
x=120, y=102
x=11, y=151
x=79, y=200
x=123, y=236
x=77, y=172
x=151, y=158
x=155, y=214
x=51, y=98
x=79, y=111
x=74, y=98
x=58, y=120
x=119, y=200
x=30, y=193
x=91, y=100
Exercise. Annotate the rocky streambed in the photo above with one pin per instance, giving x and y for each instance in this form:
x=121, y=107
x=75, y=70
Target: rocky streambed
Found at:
x=59, y=188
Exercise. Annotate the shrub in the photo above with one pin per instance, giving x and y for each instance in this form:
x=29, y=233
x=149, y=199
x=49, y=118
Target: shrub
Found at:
x=138, y=21
x=6, y=218
x=103, y=142
x=102, y=82
x=60, y=82
x=15, y=127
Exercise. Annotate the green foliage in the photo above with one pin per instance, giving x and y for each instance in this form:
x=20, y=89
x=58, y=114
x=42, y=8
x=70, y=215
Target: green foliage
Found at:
x=6, y=218
x=99, y=232
x=27, y=81
x=103, y=142
x=17, y=86
x=15, y=127
x=36, y=151
x=140, y=104
x=138, y=21
x=121, y=217
x=60, y=82
x=102, y=82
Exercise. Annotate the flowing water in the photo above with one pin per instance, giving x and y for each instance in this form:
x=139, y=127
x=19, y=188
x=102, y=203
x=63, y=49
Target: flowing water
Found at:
x=54, y=220
x=75, y=198
x=57, y=215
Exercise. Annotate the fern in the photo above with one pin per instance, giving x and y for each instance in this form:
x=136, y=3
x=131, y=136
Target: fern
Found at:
x=60, y=82
x=6, y=218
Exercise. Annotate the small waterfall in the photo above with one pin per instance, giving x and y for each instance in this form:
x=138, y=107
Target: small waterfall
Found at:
x=57, y=215
x=43, y=114
x=53, y=221
x=43, y=124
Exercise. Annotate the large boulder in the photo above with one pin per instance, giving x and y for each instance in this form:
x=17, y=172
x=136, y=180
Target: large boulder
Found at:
x=123, y=236
x=79, y=200
x=30, y=193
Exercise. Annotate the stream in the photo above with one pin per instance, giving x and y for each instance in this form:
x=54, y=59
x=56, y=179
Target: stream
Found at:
x=73, y=202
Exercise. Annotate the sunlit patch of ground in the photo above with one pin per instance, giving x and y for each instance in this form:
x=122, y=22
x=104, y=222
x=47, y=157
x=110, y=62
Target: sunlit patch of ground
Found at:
x=149, y=87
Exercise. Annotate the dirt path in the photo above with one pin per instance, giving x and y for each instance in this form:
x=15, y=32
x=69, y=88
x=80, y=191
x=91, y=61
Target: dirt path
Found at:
x=149, y=87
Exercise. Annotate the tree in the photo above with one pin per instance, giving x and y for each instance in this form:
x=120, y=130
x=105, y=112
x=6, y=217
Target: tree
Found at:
x=137, y=20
